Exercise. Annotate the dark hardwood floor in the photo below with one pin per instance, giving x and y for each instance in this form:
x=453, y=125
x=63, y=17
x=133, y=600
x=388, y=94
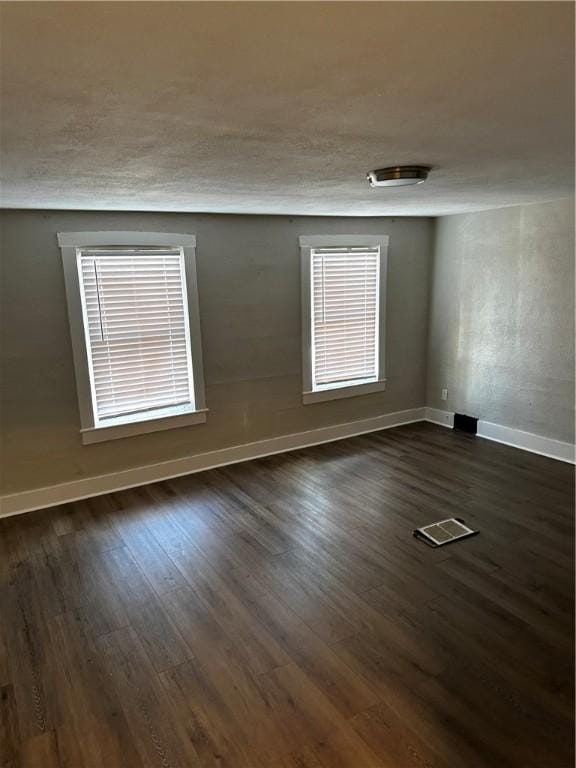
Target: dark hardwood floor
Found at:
x=279, y=614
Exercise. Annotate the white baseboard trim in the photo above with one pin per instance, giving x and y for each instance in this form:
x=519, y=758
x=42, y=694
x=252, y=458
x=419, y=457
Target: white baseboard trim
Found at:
x=443, y=418
x=517, y=438
x=27, y=501
x=39, y=498
x=527, y=441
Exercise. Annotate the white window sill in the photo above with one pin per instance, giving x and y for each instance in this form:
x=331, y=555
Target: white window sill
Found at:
x=126, y=426
x=340, y=391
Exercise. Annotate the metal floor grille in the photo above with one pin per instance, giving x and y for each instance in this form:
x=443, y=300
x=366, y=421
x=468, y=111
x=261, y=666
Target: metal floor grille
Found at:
x=444, y=532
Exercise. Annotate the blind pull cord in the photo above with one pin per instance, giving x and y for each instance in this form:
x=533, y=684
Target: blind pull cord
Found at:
x=99, y=303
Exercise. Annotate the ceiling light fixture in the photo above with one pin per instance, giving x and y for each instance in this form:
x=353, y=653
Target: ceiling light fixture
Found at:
x=398, y=176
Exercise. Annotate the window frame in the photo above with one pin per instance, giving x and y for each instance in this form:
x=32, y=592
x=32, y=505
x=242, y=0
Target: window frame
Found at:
x=346, y=389
x=91, y=432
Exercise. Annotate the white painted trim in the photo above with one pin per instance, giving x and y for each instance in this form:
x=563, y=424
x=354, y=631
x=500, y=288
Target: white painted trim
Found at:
x=527, y=441
x=70, y=243
x=27, y=501
x=39, y=498
x=135, y=238
x=443, y=418
x=341, y=392
x=174, y=420
x=516, y=438
x=307, y=244
x=327, y=241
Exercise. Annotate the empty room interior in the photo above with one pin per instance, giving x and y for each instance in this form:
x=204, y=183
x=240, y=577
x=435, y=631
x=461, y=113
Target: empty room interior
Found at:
x=287, y=305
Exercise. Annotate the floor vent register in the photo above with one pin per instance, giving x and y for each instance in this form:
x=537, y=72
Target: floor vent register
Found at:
x=444, y=532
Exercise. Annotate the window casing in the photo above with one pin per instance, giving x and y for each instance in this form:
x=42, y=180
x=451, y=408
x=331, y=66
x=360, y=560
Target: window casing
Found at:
x=343, y=315
x=134, y=320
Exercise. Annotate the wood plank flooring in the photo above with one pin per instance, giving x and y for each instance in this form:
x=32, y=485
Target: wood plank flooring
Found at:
x=279, y=614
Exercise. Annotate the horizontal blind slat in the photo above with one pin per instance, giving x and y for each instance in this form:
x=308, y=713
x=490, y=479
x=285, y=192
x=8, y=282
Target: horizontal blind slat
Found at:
x=136, y=329
x=344, y=313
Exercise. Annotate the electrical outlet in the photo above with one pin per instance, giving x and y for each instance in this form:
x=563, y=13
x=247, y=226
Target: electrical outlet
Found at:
x=444, y=394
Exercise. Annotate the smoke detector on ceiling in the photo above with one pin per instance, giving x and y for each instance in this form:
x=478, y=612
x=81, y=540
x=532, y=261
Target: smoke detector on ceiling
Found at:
x=398, y=176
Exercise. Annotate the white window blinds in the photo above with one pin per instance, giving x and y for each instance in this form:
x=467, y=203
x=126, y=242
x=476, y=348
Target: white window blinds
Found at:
x=345, y=308
x=137, y=332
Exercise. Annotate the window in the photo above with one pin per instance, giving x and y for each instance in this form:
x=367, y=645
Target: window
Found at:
x=343, y=311
x=133, y=308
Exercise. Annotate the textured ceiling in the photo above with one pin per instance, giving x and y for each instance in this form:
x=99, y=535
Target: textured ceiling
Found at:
x=283, y=107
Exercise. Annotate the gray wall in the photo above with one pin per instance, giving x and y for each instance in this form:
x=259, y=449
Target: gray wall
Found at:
x=501, y=333
x=249, y=281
